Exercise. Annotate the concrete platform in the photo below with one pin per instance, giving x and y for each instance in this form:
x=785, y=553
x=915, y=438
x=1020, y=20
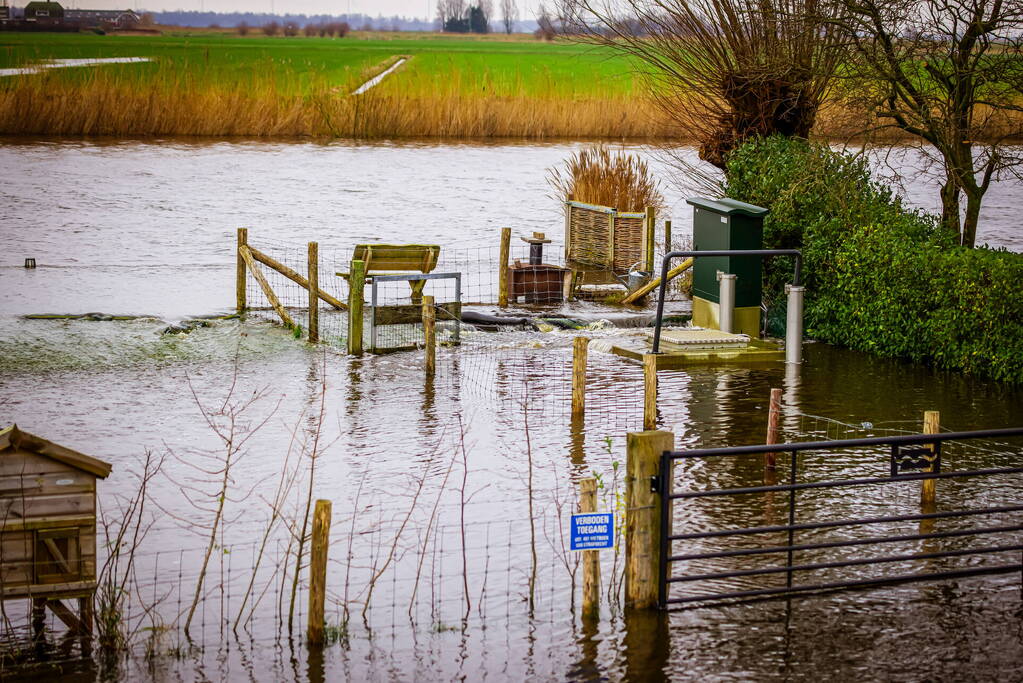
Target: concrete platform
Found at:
x=681, y=347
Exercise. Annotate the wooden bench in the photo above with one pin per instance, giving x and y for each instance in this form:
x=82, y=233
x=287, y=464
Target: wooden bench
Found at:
x=394, y=259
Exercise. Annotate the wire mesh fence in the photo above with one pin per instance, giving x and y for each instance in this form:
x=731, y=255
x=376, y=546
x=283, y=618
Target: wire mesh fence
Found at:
x=514, y=367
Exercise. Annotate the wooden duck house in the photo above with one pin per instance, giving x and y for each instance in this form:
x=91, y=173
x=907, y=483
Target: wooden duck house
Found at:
x=48, y=525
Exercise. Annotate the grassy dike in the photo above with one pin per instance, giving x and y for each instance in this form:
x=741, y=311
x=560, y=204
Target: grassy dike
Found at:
x=224, y=85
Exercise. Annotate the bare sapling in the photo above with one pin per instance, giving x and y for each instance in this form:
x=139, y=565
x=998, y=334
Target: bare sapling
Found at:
x=425, y=543
x=313, y=452
x=213, y=487
x=530, y=500
x=569, y=560
x=418, y=483
x=123, y=530
x=285, y=484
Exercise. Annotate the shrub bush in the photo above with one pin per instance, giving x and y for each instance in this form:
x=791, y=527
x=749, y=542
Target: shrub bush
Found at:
x=881, y=277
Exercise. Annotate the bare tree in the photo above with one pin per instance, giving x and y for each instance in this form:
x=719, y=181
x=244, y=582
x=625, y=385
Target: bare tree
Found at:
x=948, y=72
x=485, y=13
x=509, y=15
x=451, y=10
x=545, y=27
x=722, y=71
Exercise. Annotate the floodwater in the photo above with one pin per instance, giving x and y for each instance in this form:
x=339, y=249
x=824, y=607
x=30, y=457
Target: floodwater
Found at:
x=69, y=63
x=434, y=483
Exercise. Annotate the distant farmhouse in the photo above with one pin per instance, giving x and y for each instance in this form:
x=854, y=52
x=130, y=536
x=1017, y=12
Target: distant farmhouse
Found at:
x=39, y=15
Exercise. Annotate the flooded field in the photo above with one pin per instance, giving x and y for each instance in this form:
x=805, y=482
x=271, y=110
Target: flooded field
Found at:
x=444, y=490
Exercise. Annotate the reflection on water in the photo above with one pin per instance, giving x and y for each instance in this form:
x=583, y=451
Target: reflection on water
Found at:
x=427, y=467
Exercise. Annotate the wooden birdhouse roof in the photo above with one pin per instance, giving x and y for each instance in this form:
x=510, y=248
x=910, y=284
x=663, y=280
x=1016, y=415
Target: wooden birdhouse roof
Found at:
x=12, y=438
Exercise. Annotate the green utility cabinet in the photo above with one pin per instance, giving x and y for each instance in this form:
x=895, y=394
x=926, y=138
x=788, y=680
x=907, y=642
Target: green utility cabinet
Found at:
x=727, y=224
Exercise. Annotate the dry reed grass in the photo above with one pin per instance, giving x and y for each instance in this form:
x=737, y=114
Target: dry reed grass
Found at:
x=177, y=104
x=104, y=105
x=599, y=176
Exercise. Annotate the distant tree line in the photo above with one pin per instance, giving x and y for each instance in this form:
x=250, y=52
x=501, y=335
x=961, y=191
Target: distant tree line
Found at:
x=326, y=29
x=364, y=22
x=236, y=19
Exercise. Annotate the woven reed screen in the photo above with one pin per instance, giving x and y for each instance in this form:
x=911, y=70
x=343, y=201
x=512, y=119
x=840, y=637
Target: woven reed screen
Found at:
x=600, y=236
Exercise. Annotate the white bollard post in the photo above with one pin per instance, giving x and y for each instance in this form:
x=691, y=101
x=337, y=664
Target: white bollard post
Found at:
x=726, y=306
x=794, y=325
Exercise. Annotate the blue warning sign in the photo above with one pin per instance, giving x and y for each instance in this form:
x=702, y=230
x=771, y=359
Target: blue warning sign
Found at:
x=593, y=531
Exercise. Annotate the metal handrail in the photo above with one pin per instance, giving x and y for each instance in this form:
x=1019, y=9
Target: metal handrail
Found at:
x=665, y=263
x=848, y=443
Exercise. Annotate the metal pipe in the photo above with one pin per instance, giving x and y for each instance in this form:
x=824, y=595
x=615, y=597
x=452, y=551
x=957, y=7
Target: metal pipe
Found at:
x=900, y=439
x=726, y=302
x=666, y=266
x=858, y=583
x=794, y=325
x=836, y=483
x=831, y=524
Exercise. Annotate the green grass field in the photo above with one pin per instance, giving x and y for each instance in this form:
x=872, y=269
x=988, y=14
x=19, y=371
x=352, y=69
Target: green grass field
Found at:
x=440, y=64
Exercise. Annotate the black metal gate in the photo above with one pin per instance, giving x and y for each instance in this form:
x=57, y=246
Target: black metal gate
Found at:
x=904, y=458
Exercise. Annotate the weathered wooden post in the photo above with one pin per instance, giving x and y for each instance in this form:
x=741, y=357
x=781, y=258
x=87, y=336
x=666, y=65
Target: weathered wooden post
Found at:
x=356, y=285
x=313, y=268
x=591, y=558
x=928, y=487
x=239, y=277
x=580, y=348
x=643, y=516
x=649, y=391
x=318, y=571
x=430, y=334
x=651, y=225
x=667, y=236
x=773, y=413
x=502, y=267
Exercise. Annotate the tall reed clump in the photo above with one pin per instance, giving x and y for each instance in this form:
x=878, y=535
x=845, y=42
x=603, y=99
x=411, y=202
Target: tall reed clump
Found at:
x=597, y=175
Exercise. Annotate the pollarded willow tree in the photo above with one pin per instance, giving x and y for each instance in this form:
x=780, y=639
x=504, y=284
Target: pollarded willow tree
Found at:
x=950, y=73
x=723, y=71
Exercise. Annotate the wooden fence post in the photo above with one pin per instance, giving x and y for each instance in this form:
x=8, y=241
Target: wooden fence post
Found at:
x=580, y=348
x=430, y=333
x=502, y=267
x=239, y=278
x=568, y=231
x=773, y=413
x=649, y=391
x=314, y=292
x=318, y=571
x=667, y=236
x=643, y=516
x=356, y=285
x=928, y=487
x=591, y=558
x=651, y=225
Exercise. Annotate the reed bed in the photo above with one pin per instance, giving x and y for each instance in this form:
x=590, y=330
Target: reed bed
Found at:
x=106, y=105
x=450, y=88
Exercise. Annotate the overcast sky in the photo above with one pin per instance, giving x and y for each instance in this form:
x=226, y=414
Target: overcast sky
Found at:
x=407, y=8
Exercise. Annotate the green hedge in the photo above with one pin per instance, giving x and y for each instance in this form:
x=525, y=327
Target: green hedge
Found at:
x=881, y=277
